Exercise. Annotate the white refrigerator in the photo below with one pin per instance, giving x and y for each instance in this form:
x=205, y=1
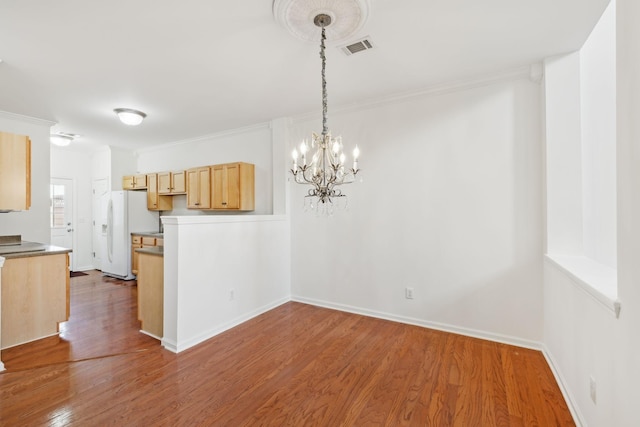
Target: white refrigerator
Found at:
x=123, y=212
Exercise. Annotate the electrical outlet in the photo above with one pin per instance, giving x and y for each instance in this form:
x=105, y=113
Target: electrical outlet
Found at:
x=232, y=294
x=408, y=293
x=592, y=388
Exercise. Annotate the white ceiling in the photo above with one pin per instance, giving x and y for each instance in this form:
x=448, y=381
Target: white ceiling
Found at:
x=198, y=67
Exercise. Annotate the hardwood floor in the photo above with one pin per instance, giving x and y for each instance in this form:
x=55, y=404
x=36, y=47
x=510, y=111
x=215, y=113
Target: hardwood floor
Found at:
x=295, y=365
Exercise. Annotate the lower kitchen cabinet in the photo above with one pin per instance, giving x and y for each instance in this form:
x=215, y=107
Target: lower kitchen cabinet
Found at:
x=140, y=241
x=151, y=293
x=34, y=297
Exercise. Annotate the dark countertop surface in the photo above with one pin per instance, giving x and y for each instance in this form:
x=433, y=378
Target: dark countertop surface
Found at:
x=152, y=250
x=148, y=234
x=31, y=249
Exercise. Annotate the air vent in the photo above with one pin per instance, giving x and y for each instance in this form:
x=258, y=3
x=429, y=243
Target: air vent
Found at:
x=357, y=46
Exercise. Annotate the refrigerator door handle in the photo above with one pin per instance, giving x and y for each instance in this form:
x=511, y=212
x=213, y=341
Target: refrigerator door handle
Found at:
x=110, y=230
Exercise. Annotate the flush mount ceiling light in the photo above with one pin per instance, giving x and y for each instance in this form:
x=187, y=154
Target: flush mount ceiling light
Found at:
x=62, y=139
x=130, y=117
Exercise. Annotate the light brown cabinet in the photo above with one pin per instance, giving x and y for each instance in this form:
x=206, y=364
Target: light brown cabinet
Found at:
x=138, y=242
x=151, y=294
x=134, y=182
x=233, y=186
x=35, y=297
x=172, y=182
x=15, y=172
x=199, y=188
x=155, y=201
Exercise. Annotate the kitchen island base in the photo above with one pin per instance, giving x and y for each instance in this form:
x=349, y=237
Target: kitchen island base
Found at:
x=35, y=297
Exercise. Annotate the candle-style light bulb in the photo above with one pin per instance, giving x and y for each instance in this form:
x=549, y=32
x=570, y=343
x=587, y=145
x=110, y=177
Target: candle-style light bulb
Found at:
x=342, y=159
x=294, y=155
x=356, y=153
x=303, y=150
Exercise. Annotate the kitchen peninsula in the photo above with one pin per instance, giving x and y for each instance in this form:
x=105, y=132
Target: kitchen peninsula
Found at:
x=34, y=292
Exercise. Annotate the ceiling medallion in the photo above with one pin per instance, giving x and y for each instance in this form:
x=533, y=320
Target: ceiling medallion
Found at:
x=347, y=17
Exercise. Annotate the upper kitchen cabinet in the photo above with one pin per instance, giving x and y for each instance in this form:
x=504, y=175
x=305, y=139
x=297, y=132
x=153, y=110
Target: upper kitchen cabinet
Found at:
x=134, y=182
x=199, y=188
x=155, y=201
x=172, y=182
x=15, y=172
x=233, y=186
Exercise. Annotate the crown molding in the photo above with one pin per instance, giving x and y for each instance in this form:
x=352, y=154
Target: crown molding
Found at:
x=27, y=119
x=435, y=90
x=208, y=137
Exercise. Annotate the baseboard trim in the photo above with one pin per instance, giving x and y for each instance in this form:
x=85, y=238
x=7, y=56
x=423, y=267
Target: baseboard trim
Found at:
x=566, y=392
x=474, y=333
x=177, y=347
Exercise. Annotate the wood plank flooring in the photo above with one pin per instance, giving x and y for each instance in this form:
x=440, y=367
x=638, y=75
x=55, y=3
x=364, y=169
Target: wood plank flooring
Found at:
x=296, y=365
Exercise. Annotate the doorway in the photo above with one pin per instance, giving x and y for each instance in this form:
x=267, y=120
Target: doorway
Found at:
x=61, y=216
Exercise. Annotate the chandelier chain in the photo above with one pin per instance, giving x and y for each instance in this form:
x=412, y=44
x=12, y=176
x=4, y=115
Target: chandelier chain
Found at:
x=325, y=128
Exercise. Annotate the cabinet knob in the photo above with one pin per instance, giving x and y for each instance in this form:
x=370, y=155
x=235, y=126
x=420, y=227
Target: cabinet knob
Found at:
x=224, y=203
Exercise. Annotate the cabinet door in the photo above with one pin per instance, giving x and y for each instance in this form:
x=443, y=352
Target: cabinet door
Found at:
x=193, y=197
x=232, y=182
x=164, y=183
x=178, y=182
x=219, y=190
x=127, y=182
x=134, y=182
x=15, y=171
x=199, y=188
x=233, y=186
x=152, y=192
x=140, y=182
x=156, y=202
x=226, y=186
x=204, y=187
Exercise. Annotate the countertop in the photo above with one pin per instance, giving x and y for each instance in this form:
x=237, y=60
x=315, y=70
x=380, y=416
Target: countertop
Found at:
x=48, y=250
x=148, y=234
x=152, y=250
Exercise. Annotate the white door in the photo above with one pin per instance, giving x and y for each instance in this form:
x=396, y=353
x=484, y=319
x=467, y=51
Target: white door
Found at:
x=61, y=214
x=99, y=190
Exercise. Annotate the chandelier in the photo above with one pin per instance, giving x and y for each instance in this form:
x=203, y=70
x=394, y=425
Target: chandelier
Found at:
x=321, y=164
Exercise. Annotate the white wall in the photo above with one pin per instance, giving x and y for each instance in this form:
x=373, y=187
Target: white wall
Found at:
x=624, y=353
x=76, y=165
x=251, y=145
x=450, y=205
x=563, y=155
x=598, y=105
x=208, y=256
x=583, y=337
x=33, y=224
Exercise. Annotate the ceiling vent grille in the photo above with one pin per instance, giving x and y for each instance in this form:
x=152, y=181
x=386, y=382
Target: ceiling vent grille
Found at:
x=357, y=46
